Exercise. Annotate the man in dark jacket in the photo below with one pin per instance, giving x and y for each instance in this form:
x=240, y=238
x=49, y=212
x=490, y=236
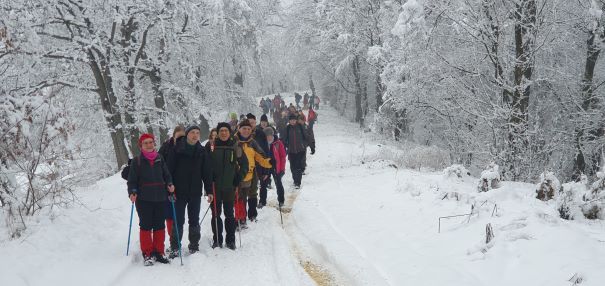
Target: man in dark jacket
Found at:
x=229, y=166
x=295, y=144
x=190, y=171
x=309, y=142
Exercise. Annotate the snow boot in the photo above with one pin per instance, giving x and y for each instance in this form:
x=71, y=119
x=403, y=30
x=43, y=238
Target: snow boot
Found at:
x=147, y=260
x=160, y=258
x=217, y=244
x=231, y=245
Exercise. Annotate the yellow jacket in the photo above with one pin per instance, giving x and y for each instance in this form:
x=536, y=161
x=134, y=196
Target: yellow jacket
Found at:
x=254, y=154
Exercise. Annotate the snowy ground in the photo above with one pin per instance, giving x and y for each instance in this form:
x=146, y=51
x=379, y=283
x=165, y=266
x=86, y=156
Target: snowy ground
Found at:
x=358, y=220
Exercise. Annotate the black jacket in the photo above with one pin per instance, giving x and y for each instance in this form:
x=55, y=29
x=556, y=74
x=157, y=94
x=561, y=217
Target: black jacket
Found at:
x=149, y=182
x=190, y=171
x=261, y=138
x=295, y=139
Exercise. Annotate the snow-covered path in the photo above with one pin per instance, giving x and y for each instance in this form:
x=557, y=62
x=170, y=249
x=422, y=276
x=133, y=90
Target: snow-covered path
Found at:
x=358, y=220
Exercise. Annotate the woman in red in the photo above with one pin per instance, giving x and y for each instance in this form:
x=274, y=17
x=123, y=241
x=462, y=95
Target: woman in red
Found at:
x=149, y=183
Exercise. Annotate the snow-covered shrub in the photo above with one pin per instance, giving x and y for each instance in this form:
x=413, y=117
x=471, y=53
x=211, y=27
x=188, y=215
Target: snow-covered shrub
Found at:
x=594, y=201
x=456, y=170
x=577, y=200
x=413, y=156
x=35, y=156
x=490, y=178
x=548, y=187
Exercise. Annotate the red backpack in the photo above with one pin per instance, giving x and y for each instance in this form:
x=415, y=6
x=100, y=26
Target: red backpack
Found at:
x=312, y=115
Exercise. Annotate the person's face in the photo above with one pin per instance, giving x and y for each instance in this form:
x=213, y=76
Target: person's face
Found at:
x=264, y=124
x=245, y=131
x=148, y=145
x=252, y=121
x=193, y=136
x=213, y=135
x=292, y=121
x=224, y=134
x=179, y=134
x=270, y=139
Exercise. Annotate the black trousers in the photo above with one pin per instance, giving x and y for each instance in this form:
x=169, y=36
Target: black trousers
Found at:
x=151, y=214
x=192, y=206
x=296, y=166
x=217, y=222
x=278, y=185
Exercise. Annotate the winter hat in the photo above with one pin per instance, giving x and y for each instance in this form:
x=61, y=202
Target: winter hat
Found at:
x=250, y=116
x=223, y=125
x=269, y=131
x=145, y=136
x=191, y=127
x=245, y=122
x=233, y=116
x=292, y=117
x=264, y=118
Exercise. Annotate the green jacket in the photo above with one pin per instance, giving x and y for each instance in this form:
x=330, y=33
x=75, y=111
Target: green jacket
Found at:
x=229, y=167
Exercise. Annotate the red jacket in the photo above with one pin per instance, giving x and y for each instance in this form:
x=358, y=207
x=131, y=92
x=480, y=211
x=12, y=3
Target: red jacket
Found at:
x=279, y=155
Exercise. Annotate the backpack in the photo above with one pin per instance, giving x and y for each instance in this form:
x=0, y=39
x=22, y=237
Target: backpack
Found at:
x=126, y=169
x=312, y=115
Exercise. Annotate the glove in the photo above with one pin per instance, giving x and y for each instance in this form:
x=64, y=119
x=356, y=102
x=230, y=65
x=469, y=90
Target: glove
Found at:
x=312, y=151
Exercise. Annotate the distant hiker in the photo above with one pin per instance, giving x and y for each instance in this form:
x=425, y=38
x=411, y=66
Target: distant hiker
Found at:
x=233, y=121
x=277, y=153
x=297, y=99
x=282, y=124
x=211, y=139
x=256, y=157
x=306, y=101
x=295, y=145
x=312, y=118
x=190, y=171
x=167, y=147
x=317, y=102
x=309, y=141
x=229, y=166
x=312, y=101
x=149, y=183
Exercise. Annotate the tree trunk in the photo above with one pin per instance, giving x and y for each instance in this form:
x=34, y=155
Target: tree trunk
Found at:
x=127, y=30
x=525, y=21
x=379, y=89
x=160, y=102
x=102, y=74
x=590, y=104
x=358, y=91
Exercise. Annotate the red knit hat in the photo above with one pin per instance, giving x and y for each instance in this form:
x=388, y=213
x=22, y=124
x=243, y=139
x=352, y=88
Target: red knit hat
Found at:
x=145, y=136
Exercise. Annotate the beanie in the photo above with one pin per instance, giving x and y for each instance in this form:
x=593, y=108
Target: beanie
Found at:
x=245, y=122
x=191, y=127
x=250, y=116
x=145, y=136
x=223, y=125
x=264, y=118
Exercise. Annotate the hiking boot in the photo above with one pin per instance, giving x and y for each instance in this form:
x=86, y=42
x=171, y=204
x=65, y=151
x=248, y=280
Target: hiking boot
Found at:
x=270, y=187
x=217, y=244
x=281, y=204
x=147, y=260
x=261, y=205
x=297, y=187
x=172, y=253
x=193, y=248
x=253, y=219
x=231, y=245
x=160, y=258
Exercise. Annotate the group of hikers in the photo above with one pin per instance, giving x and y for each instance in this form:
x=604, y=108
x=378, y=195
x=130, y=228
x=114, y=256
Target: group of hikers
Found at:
x=309, y=102
x=234, y=170
x=272, y=106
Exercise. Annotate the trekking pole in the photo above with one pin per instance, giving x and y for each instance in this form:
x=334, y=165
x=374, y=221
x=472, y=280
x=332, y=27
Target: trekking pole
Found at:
x=176, y=225
x=215, y=214
x=281, y=216
x=239, y=228
x=205, y=214
x=130, y=228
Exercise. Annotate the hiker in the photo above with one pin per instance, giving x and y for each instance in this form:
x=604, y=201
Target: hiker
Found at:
x=295, y=145
x=306, y=101
x=149, y=183
x=211, y=139
x=309, y=141
x=277, y=153
x=190, y=171
x=167, y=146
x=312, y=118
x=317, y=102
x=264, y=183
x=256, y=157
x=229, y=166
x=312, y=101
x=261, y=175
x=297, y=99
x=233, y=121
